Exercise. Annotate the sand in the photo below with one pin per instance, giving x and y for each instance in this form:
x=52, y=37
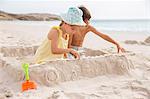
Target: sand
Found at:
x=100, y=74
x=147, y=40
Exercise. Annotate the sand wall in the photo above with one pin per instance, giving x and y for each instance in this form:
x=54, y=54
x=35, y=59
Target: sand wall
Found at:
x=53, y=72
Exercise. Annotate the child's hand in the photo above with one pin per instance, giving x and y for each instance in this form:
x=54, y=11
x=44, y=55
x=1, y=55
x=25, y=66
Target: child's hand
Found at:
x=75, y=54
x=120, y=49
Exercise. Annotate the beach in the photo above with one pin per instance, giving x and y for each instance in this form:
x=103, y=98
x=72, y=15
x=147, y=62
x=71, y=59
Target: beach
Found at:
x=101, y=74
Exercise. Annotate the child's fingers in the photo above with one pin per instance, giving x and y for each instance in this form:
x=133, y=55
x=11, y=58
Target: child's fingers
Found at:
x=122, y=49
x=118, y=49
x=77, y=56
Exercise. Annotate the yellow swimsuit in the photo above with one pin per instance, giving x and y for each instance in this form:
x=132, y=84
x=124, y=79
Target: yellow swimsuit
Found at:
x=44, y=52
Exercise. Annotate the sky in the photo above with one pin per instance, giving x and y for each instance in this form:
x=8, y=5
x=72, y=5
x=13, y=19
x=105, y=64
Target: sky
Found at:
x=100, y=9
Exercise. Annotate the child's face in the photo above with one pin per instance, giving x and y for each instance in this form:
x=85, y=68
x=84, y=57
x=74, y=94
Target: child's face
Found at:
x=70, y=29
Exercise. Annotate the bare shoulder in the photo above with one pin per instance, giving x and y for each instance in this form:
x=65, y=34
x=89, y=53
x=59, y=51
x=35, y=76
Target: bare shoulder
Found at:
x=89, y=28
x=53, y=33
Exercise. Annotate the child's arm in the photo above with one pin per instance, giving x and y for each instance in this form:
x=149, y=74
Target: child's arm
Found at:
x=70, y=41
x=53, y=36
x=105, y=37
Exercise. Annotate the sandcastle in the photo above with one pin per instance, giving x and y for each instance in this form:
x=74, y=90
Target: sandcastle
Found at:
x=53, y=72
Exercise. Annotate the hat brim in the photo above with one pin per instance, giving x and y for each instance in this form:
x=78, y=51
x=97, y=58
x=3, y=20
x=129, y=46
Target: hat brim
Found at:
x=65, y=19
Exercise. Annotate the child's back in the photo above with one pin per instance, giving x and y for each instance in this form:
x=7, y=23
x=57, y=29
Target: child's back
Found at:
x=76, y=40
x=78, y=37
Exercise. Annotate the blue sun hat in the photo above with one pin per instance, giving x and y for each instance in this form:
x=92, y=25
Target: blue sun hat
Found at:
x=73, y=16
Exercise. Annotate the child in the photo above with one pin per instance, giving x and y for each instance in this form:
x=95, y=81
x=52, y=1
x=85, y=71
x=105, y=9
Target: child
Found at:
x=56, y=43
x=76, y=40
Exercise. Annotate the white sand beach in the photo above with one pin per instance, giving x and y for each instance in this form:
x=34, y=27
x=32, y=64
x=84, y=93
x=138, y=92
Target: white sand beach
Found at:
x=101, y=74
